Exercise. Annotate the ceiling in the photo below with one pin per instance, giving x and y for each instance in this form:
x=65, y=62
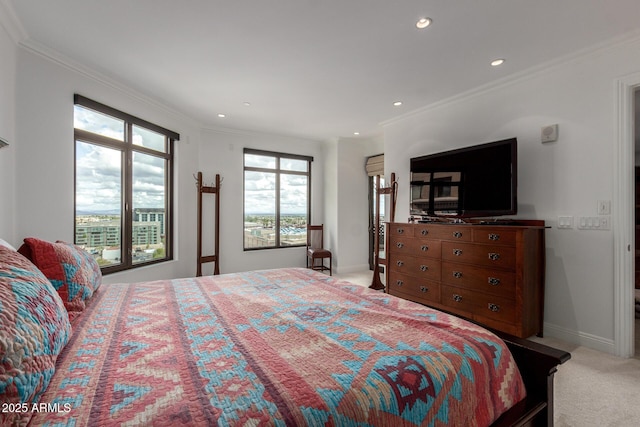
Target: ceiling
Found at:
x=312, y=69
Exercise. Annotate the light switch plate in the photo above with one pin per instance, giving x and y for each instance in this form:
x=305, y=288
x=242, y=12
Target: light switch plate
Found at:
x=594, y=222
x=565, y=222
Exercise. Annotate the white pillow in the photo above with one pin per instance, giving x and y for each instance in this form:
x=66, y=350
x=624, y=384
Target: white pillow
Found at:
x=6, y=244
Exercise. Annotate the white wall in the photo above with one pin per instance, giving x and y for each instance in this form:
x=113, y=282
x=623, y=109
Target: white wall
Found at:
x=330, y=202
x=353, y=202
x=7, y=132
x=221, y=152
x=567, y=177
x=44, y=160
x=346, y=202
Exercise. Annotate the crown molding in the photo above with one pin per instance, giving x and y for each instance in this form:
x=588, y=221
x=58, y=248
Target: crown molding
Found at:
x=57, y=58
x=13, y=26
x=254, y=133
x=63, y=61
x=528, y=74
x=10, y=22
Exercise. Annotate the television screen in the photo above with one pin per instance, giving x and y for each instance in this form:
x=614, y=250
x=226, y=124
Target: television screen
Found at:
x=476, y=181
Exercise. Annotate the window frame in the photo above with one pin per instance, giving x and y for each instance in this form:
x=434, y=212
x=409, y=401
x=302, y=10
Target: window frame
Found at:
x=278, y=172
x=127, y=148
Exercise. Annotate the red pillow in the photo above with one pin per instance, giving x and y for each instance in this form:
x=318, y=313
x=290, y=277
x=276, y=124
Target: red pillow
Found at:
x=72, y=271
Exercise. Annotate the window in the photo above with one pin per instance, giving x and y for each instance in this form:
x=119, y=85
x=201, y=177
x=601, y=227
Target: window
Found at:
x=123, y=187
x=276, y=199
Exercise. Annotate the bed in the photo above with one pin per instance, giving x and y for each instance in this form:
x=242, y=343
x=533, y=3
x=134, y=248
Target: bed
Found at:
x=272, y=347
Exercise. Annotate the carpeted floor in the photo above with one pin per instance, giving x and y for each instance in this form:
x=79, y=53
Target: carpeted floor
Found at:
x=591, y=389
x=595, y=389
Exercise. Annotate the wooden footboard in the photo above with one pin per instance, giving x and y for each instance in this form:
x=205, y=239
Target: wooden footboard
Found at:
x=538, y=364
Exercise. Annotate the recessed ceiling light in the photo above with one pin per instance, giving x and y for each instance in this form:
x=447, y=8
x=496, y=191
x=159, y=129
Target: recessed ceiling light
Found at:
x=423, y=23
x=397, y=103
x=222, y=116
x=497, y=62
x=356, y=133
x=246, y=104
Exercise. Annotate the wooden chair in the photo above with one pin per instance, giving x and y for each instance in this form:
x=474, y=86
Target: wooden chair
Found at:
x=315, y=249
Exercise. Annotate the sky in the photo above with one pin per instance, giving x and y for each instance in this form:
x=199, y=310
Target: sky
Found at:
x=260, y=186
x=260, y=193
x=98, y=169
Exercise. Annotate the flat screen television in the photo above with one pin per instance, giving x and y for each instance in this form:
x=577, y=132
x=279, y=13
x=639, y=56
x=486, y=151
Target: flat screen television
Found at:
x=475, y=181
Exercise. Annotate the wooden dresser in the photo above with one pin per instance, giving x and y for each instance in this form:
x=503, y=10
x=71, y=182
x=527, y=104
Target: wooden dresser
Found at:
x=491, y=274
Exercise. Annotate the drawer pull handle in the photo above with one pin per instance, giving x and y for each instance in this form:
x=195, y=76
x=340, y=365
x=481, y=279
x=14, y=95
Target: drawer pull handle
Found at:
x=457, y=234
x=494, y=236
x=424, y=267
x=424, y=232
x=400, y=230
x=493, y=256
x=494, y=281
x=400, y=245
x=457, y=274
x=457, y=298
x=424, y=248
x=399, y=282
x=457, y=252
x=494, y=307
x=424, y=289
x=400, y=263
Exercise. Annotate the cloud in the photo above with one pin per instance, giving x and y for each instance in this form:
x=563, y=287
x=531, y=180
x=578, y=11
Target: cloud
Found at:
x=148, y=181
x=98, y=123
x=260, y=193
x=99, y=179
x=259, y=161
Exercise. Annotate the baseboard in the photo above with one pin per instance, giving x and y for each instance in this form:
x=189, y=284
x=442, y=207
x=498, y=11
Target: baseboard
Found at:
x=351, y=269
x=594, y=342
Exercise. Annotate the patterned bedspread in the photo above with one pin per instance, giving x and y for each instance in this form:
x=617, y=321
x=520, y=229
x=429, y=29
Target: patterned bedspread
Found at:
x=274, y=347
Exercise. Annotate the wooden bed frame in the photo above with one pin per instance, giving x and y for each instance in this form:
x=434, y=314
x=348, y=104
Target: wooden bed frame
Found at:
x=538, y=364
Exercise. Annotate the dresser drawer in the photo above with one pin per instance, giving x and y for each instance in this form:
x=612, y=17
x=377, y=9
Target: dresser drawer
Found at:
x=421, y=267
x=488, y=255
x=479, y=304
x=414, y=246
x=424, y=289
x=493, y=281
x=444, y=232
x=396, y=229
x=495, y=236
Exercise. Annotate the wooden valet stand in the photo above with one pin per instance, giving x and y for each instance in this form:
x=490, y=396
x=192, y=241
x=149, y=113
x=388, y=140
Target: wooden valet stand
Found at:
x=392, y=190
x=215, y=190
